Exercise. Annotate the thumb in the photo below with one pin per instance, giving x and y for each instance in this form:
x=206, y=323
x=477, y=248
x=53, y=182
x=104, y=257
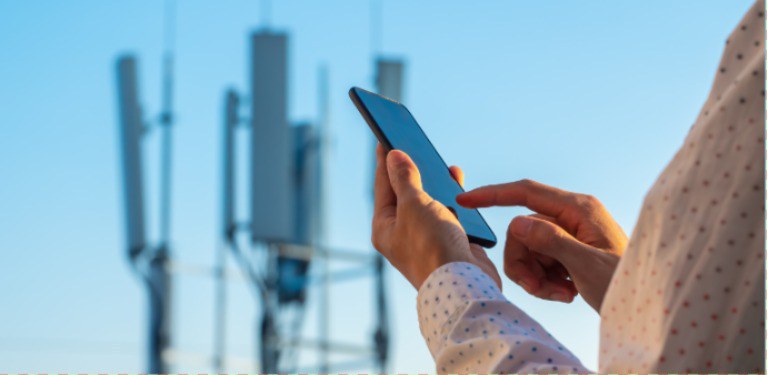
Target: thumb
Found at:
x=403, y=174
x=548, y=238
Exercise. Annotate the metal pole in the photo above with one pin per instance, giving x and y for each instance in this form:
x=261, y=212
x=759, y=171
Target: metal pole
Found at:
x=375, y=27
x=323, y=134
x=231, y=104
x=270, y=352
x=158, y=271
x=159, y=286
x=381, y=337
x=166, y=122
x=220, y=311
x=389, y=82
x=159, y=276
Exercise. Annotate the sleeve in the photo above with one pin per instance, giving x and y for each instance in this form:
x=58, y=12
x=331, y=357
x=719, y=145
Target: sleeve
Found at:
x=470, y=327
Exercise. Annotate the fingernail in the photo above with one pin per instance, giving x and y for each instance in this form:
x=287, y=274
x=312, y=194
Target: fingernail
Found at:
x=559, y=297
x=521, y=226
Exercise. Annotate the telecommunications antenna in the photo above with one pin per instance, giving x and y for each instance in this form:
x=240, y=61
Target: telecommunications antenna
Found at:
x=149, y=260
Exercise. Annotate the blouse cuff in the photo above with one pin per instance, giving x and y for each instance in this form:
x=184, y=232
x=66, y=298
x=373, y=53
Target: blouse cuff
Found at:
x=443, y=293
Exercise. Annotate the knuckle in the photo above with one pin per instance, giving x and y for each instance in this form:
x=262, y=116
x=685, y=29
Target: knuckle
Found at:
x=526, y=182
x=509, y=229
x=592, y=200
x=431, y=205
x=425, y=200
x=543, y=234
x=412, y=199
x=588, y=201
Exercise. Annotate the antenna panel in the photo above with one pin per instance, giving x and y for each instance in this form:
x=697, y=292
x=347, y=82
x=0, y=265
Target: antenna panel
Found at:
x=131, y=129
x=231, y=103
x=389, y=78
x=307, y=184
x=271, y=146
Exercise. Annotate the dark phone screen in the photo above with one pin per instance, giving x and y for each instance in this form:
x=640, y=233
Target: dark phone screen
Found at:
x=402, y=132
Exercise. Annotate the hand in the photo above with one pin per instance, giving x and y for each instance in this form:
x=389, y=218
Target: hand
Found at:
x=416, y=233
x=572, y=245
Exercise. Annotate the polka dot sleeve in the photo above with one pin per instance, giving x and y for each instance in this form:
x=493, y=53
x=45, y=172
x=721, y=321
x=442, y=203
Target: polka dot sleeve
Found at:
x=688, y=295
x=469, y=326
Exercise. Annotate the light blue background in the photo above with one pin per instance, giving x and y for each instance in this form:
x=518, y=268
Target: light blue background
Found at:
x=588, y=96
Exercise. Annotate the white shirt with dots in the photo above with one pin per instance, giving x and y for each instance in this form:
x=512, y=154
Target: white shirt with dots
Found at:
x=689, y=292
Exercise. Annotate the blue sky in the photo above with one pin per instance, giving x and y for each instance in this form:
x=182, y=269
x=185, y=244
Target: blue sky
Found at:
x=593, y=97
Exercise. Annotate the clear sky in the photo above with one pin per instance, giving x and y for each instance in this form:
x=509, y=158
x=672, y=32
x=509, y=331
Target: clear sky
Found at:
x=593, y=97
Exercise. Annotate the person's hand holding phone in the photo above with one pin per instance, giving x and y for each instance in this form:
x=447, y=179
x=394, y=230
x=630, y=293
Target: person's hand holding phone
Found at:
x=416, y=233
x=571, y=245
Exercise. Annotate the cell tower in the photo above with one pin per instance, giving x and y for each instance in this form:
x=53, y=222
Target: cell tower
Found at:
x=281, y=246
x=279, y=241
x=150, y=261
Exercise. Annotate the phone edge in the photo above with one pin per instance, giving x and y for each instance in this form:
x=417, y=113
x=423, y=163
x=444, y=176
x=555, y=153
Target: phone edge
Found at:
x=369, y=119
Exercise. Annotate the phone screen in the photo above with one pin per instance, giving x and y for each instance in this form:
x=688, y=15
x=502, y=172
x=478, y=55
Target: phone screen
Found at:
x=397, y=129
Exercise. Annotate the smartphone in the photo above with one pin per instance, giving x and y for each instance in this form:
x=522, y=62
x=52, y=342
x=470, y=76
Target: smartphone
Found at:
x=396, y=128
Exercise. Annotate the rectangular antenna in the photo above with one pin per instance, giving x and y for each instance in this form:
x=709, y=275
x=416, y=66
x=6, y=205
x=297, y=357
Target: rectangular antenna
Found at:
x=307, y=189
x=389, y=78
x=271, y=146
x=131, y=129
x=231, y=103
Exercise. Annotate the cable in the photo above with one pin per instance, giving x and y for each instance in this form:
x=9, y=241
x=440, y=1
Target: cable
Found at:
x=260, y=290
x=166, y=122
x=375, y=23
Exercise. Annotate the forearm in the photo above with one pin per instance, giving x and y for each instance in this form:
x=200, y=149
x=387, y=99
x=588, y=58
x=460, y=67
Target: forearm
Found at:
x=470, y=327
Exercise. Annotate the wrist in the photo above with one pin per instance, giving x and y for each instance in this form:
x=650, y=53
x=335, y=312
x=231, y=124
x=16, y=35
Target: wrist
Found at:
x=433, y=259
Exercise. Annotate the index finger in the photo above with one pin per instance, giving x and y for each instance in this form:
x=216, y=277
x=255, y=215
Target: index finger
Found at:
x=536, y=196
